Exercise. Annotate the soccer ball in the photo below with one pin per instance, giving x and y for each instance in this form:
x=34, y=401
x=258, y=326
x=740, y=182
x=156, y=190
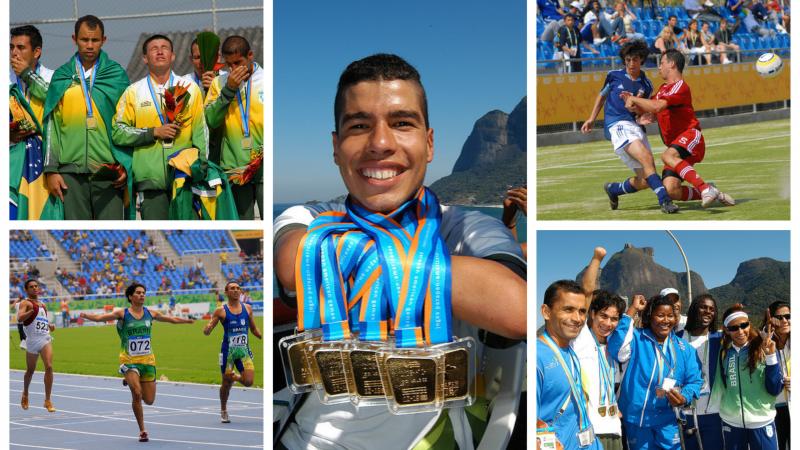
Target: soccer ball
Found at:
x=769, y=65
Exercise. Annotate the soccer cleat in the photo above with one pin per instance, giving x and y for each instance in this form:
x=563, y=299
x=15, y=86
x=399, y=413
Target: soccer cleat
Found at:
x=124, y=382
x=669, y=208
x=708, y=195
x=224, y=417
x=725, y=199
x=23, y=344
x=24, y=401
x=613, y=199
x=49, y=406
x=143, y=437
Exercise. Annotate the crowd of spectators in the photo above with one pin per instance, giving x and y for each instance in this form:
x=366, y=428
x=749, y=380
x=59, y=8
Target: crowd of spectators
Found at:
x=706, y=32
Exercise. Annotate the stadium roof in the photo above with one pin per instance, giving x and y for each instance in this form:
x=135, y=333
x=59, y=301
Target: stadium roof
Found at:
x=182, y=42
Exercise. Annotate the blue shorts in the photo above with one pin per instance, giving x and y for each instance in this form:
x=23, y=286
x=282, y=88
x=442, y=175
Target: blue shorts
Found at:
x=764, y=438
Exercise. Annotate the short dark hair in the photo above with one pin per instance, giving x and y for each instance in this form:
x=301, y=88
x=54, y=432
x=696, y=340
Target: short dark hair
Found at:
x=776, y=305
x=636, y=47
x=693, y=315
x=32, y=32
x=230, y=283
x=671, y=16
x=235, y=45
x=31, y=280
x=378, y=67
x=153, y=38
x=91, y=22
x=569, y=286
x=675, y=56
x=132, y=288
x=652, y=304
x=602, y=299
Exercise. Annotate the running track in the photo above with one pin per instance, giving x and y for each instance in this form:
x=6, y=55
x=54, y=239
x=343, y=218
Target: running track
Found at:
x=94, y=413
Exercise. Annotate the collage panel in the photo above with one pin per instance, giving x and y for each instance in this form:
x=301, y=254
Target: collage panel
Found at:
x=167, y=323
x=400, y=277
x=136, y=110
x=663, y=339
x=666, y=98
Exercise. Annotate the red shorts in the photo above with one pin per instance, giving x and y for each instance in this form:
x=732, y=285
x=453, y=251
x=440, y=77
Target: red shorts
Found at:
x=690, y=145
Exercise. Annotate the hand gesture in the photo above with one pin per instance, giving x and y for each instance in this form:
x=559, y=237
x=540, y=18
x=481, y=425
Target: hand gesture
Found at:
x=639, y=302
x=207, y=78
x=675, y=397
x=767, y=343
x=82, y=315
x=624, y=95
x=646, y=119
x=517, y=198
x=599, y=253
x=17, y=64
x=237, y=76
x=587, y=126
x=56, y=185
x=120, y=182
x=168, y=131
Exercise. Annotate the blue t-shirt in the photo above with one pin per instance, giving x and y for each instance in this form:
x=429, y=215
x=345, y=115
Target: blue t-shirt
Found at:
x=552, y=392
x=549, y=9
x=616, y=82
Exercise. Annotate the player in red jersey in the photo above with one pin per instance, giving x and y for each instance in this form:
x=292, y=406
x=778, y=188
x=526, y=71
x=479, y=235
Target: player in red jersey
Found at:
x=680, y=131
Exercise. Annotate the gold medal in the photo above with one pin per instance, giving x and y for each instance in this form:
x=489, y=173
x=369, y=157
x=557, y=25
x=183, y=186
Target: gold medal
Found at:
x=366, y=376
x=602, y=411
x=91, y=123
x=612, y=410
x=247, y=143
x=297, y=364
x=167, y=143
x=456, y=374
x=331, y=371
x=412, y=380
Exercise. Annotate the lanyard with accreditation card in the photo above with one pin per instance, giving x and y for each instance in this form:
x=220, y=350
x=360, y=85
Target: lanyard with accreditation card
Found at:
x=244, y=112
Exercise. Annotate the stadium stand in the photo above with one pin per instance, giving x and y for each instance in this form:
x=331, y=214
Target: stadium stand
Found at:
x=187, y=242
x=25, y=245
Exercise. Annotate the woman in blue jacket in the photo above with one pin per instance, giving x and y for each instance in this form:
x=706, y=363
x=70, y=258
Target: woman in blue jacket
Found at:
x=663, y=373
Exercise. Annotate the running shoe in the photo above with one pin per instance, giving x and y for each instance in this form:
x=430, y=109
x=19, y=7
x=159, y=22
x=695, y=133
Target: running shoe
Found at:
x=24, y=401
x=669, y=208
x=49, y=405
x=23, y=344
x=143, y=437
x=708, y=195
x=726, y=199
x=613, y=199
x=224, y=417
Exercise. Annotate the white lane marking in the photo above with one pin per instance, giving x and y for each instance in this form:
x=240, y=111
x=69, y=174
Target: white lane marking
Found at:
x=176, y=383
x=39, y=446
x=149, y=422
x=582, y=163
x=129, y=437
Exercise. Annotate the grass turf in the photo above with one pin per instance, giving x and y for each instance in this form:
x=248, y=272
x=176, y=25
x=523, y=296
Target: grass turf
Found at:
x=183, y=352
x=749, y=162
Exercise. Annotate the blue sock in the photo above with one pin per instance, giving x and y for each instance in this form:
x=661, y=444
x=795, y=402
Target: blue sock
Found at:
x=654, y=181
x=622, y=188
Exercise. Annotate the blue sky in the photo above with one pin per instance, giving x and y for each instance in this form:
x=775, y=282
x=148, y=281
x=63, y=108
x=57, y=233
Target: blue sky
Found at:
x=713, y=254
x=470, y=54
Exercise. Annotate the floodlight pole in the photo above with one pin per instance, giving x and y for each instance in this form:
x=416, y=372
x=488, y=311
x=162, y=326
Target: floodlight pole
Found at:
x=685, y=261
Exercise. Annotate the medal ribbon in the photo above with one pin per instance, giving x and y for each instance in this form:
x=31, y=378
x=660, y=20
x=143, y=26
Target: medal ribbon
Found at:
x=245, y=112
x=161, y=117
x=87, y=93
x=661, y=359
x=571, y=372
x=606, y=377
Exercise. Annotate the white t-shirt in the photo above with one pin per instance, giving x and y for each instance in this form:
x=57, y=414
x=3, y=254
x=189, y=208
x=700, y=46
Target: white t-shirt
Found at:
x=343, y=426
x=784, y=356
x=585, y=347
x=701, y=346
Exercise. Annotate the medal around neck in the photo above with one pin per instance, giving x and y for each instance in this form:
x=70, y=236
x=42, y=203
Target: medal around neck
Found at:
x=293, y=350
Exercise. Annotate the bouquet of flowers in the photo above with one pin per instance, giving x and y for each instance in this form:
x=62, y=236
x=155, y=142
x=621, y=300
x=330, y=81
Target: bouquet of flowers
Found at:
x=243, y=175
x=20, y=121
x=176, y=99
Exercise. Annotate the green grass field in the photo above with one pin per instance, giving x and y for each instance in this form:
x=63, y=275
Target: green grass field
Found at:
x=750, y=162
x=182, y=352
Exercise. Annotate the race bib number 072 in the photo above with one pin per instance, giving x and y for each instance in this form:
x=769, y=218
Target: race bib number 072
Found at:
x=139, y=346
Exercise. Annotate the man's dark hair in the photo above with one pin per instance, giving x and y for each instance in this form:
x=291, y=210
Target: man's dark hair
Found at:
x=635, y=47
x=671, y=17
x=776, y=305
x=693, y=315
x=652, y=304
x=675, y=56
x=32, y=32
x=569, y=286
x=91, y=22
x=32, y=280
x=378, y=67
x=602, y=299
x=235, y=45
x=153, y=38
x=132, y=288
x=230, y=283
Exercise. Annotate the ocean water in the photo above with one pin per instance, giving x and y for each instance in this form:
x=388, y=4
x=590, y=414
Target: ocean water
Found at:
x=497, y=212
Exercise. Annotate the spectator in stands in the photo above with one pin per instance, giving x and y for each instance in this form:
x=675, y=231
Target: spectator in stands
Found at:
x=709, y=41
x=653, y=8
x=737, y=9
x=693, y=8
x=628, y=17
x=778, y=15
x=672, y=22
x=694, y=42
x=569, y=45
x=754, y=24
x=553, y=17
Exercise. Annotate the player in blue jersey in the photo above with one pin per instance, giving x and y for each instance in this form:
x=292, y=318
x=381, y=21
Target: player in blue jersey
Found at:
x=237, y=320
x=628, y=137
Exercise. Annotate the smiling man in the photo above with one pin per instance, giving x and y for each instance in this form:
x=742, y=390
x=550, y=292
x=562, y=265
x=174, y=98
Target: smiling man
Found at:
x=141, y=122
x=78, y=112
x=382, y=145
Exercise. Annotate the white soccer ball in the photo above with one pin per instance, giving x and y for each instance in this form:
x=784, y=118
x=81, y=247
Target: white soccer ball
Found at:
x=769, y=65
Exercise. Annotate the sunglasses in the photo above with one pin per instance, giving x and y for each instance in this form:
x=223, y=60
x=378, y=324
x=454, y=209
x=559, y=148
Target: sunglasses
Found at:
x=735, y=328
x=787, y=316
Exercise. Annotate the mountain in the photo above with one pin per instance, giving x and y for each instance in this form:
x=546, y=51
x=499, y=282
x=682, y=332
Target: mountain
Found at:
x=758, y=282
x=493, y=157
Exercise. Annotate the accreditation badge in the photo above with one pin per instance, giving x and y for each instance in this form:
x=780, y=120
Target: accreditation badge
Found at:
x=412, y=378
x=460, y=363
x=91, y=123
x=586, y=437
x=295, y=362
x=326, y=362
x=247, y=143
x=363, y=374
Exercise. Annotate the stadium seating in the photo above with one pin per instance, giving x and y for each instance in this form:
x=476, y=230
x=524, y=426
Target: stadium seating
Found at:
x=200, y=241
x=28, y=249
x=254, y=270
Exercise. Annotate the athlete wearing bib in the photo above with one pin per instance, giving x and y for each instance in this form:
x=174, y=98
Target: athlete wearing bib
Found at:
x=33, y=316
x=237, y=321
x=137, y=361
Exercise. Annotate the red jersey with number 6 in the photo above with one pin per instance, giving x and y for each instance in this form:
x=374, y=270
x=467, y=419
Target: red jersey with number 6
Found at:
x=679, y=114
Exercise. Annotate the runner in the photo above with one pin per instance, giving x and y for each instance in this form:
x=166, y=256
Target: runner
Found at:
x=237, y=319
x=33, y=316
x=137, y=361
